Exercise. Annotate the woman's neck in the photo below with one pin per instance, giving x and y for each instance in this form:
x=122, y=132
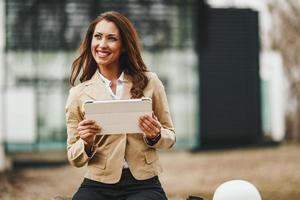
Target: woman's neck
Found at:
x=110, y=73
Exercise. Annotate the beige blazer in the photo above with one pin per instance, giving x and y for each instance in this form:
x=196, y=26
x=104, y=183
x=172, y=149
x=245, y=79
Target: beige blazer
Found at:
x=108, y=152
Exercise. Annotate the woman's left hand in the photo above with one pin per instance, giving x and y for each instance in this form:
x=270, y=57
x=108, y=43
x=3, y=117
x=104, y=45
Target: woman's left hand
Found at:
x=150, y=125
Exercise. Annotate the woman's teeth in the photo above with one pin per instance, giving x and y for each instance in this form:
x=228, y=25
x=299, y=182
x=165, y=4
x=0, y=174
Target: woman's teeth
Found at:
x=102, y=54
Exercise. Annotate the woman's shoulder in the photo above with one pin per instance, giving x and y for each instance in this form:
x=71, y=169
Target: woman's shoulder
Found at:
x=153, y=78
x=77, y=89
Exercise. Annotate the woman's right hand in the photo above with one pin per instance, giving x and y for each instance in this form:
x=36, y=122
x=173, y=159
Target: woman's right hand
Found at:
x=87, y=130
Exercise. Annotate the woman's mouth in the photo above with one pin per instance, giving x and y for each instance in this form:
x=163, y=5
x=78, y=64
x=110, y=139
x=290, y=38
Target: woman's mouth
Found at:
x=102, y=54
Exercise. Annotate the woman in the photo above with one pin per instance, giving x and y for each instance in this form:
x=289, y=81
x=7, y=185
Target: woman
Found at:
x=119, y=166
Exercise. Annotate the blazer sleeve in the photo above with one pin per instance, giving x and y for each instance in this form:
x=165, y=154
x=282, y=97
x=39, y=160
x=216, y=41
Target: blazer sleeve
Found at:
x=75, y=145
x=161, y=110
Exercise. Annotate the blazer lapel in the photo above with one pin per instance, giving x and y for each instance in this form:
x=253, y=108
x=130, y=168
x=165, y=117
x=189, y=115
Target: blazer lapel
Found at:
x=96, y=89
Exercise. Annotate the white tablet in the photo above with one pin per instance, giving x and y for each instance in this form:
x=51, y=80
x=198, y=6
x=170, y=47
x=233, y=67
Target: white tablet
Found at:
x=118, y=116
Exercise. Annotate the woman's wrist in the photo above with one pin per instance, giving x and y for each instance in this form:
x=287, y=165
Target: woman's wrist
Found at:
x=88, y=148
x=153, y=140
x=156, y=136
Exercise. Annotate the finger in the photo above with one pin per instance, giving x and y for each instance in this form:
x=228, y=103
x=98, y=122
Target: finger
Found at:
x=154, y=121
x=146, y=125
x=151, y=123
x=147, y=119
x=94, y=126
x=88, y=136
x=89, y=130
x=154, y=116
x=148, y=130
x=148, y=134
x=84, y=132
x=87, y=122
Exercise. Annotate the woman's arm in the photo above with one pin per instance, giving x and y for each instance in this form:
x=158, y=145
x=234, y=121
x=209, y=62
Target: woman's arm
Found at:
x=81, y=132
x=166, y=138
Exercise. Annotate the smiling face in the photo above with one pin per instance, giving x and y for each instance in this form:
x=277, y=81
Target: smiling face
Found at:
x=106, y=45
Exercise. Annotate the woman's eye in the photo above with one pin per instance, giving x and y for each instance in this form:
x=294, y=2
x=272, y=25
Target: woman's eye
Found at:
x=97, y=37
x=112, y=39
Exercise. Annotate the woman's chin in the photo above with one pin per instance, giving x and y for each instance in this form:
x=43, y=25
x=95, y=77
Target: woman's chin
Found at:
x=105, y=64
x=102, y=62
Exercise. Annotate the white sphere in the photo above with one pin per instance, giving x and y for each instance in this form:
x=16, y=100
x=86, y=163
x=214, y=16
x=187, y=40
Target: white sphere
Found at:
x=236, y=190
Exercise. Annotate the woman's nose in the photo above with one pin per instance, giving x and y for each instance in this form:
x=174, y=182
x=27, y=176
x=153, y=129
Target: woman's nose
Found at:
x=102, y=43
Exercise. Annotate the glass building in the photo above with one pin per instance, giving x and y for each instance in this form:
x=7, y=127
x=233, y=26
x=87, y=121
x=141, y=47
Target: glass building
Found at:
x=41, y=38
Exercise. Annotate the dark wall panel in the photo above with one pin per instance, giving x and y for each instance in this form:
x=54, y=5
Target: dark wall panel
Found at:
x=229, y=77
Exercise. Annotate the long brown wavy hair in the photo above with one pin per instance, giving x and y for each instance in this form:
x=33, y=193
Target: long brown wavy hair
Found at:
x=131, y=61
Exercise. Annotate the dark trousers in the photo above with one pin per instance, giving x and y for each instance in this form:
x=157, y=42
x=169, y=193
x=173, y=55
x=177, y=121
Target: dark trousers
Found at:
x=128, y=188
